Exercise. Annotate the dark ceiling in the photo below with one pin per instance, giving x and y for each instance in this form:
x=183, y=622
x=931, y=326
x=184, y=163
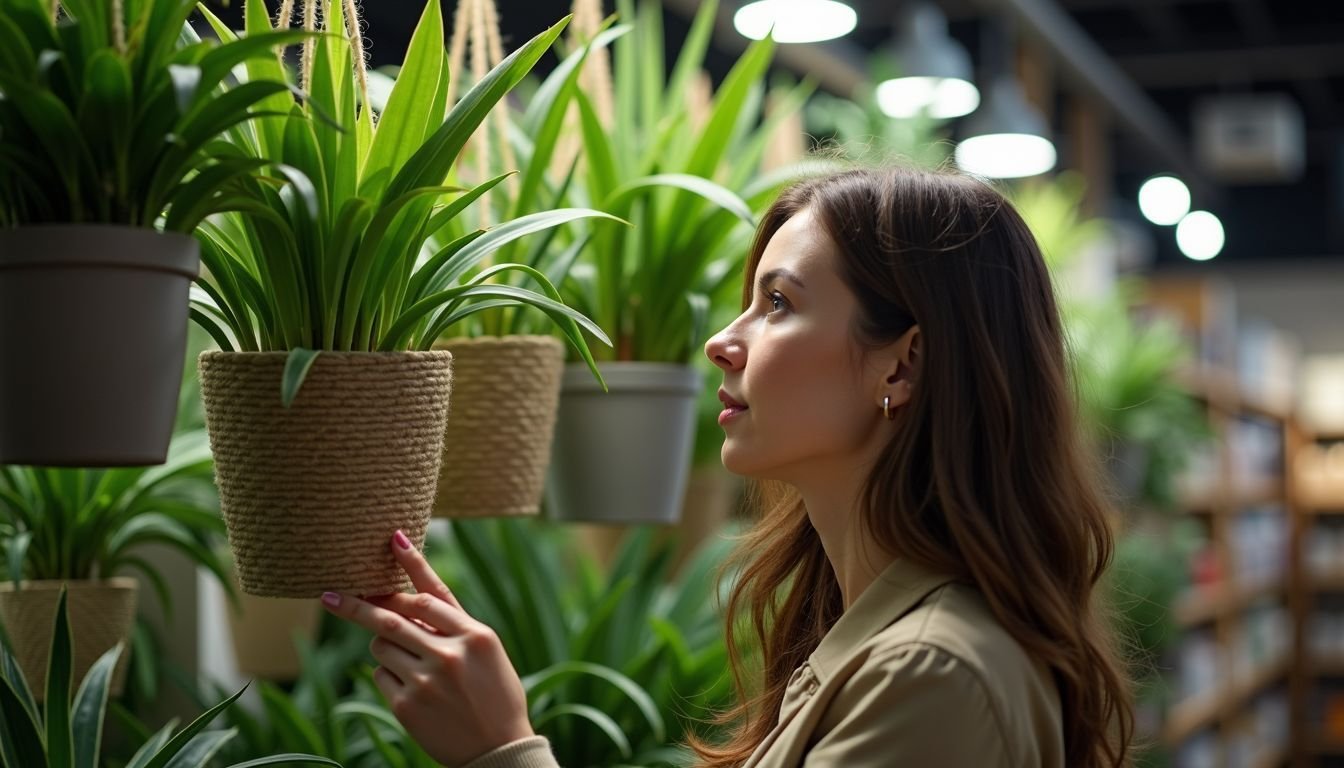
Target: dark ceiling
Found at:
x=1175, y=51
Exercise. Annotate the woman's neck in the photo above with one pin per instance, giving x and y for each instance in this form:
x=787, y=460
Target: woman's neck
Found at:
x=855, y=556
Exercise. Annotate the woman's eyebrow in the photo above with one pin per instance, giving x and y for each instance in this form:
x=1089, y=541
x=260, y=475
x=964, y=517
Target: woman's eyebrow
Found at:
x=769, y=277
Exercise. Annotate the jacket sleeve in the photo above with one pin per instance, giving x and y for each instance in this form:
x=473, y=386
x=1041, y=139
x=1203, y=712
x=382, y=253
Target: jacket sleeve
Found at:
x=532, y=752
x=915, y=705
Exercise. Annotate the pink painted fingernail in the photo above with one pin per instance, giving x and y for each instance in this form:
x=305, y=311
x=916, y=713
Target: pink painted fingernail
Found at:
x=332, y=599
x=401, y=540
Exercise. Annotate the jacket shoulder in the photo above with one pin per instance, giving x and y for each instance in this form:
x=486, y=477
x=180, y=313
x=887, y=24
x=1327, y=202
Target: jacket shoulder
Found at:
x=957, y=622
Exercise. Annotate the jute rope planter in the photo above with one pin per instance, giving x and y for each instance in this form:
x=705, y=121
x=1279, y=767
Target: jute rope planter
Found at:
x=506, y=391
x=102, y=614
x=311, y=494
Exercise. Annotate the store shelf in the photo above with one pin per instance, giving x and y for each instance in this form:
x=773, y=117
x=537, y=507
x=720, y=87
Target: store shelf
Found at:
x=1274, y=757
x=1327, y=746
x=1327, y=666
x=1327, y=583
x=1265, y=491
x=1220, y=389
x=1208, y=604
x=1199, y=712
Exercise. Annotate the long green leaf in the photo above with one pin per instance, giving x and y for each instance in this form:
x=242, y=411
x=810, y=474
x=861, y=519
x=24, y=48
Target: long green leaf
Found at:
x=60, y=739
x=91, y=709
x=407, y=119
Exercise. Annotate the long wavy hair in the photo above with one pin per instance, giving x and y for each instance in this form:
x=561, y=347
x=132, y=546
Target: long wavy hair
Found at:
x=986, y=477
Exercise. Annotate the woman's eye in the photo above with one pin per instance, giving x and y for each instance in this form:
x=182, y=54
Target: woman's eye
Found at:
x=777, y=302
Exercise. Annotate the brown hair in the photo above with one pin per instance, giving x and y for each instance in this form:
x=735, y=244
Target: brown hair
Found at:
x=986, y=477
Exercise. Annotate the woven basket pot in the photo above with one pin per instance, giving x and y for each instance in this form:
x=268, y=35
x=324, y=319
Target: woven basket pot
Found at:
x=311, y=494
x=498, y=442
x=102, y=614
x=93, y=335
x=264, y=632
x=622, y=456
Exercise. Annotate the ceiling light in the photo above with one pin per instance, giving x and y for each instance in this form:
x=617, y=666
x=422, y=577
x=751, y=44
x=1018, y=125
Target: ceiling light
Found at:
x=1164, y=200
x=1006, y=138
x=1200, y=235
x=795, y=21
x=935, y=70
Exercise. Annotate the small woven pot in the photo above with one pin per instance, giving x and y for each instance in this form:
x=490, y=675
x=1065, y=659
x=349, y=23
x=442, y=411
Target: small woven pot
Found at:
x=506, y=391
x=311, y=494
x=102, y=614
x=264, y=632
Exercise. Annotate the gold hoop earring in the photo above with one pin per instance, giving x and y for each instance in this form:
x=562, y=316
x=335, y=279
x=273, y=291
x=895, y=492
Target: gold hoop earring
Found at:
x=886, y=408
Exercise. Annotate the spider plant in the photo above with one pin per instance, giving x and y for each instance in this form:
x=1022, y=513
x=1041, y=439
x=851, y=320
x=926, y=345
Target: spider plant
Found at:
x=105, y=118
x=331, y=251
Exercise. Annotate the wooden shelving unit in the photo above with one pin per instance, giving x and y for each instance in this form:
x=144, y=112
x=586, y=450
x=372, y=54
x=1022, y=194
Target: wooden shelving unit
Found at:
x=1319, y=670
x=1225, y=608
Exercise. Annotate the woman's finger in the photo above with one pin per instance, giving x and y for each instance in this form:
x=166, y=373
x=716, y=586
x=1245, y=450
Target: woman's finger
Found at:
x=387, y=683
x=422, y=575
x=380, y=621
x=393, y=657
x=427, y=609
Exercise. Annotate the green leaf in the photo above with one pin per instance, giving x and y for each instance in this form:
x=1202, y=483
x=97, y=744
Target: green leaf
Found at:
x=714, y=193
x=605, y=724
x=60, y=739
x=287, y=759
x=406, y=120
x=91, y=709
x=20, y=738
x=297, y=365
x=431, y=162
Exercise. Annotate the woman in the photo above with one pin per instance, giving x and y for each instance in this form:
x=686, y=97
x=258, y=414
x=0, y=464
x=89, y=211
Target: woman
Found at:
x=921, y=580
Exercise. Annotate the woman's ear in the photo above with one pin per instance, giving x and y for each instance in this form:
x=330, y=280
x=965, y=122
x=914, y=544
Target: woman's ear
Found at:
x=902, y=369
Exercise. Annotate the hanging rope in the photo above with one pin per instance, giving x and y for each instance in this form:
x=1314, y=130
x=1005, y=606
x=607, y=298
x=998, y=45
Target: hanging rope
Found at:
x=119, y=25
x=595, y=80
x=476, y=33
x=309, y=44
x=357, y=46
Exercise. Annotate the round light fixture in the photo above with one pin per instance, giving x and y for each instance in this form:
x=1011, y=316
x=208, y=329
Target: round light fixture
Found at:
x=941, y=97
x=1164, y=200
x=1007, y=139
x=1200, y=235
x=935, y=71
x=795, y=21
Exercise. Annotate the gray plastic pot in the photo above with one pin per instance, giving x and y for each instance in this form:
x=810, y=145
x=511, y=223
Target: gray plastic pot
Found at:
x=623, y=456
x=93, y=331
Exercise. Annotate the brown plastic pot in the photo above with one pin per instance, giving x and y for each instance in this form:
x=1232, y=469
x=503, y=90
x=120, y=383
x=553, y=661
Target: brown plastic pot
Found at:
x=93, y=331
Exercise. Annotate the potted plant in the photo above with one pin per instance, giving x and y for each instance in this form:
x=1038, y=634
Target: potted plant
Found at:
x=326, y=404
x=107, y=122
x=690, y=189
x=78, y=530
x=507, y=362
x=68, y=731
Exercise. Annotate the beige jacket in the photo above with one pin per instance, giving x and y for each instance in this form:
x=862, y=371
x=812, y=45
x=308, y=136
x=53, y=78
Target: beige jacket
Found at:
x=916, y=673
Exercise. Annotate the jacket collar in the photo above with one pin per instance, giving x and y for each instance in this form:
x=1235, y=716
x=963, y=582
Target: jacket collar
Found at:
x=895, y=591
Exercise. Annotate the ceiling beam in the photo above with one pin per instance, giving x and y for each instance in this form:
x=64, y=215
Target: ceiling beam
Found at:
x=1182, y=69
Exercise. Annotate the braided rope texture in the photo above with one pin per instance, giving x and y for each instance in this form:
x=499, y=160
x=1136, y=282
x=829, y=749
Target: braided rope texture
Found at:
x=506, y=392
x=311, y=494
x=101, y=615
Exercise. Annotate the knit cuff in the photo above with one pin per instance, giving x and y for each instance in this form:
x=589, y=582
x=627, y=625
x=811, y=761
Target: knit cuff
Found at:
x=532, y=752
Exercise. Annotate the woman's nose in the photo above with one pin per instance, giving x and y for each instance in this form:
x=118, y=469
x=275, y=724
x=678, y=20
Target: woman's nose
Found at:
x=725, y=350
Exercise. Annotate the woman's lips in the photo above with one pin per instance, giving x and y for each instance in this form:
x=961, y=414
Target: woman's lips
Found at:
x=731, y=408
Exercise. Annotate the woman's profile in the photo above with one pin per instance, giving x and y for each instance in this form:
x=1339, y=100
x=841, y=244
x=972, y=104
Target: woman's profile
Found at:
x=921, y=581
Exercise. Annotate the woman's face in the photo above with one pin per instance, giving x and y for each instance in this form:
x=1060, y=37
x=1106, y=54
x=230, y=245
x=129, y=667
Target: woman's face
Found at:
x=810, y=405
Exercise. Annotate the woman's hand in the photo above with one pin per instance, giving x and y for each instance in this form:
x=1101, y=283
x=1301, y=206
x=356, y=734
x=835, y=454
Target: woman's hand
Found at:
x=445, y=675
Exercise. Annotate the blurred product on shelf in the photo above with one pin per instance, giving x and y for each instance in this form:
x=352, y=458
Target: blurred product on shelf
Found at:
x=1322, y=403
x=1319, y=474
